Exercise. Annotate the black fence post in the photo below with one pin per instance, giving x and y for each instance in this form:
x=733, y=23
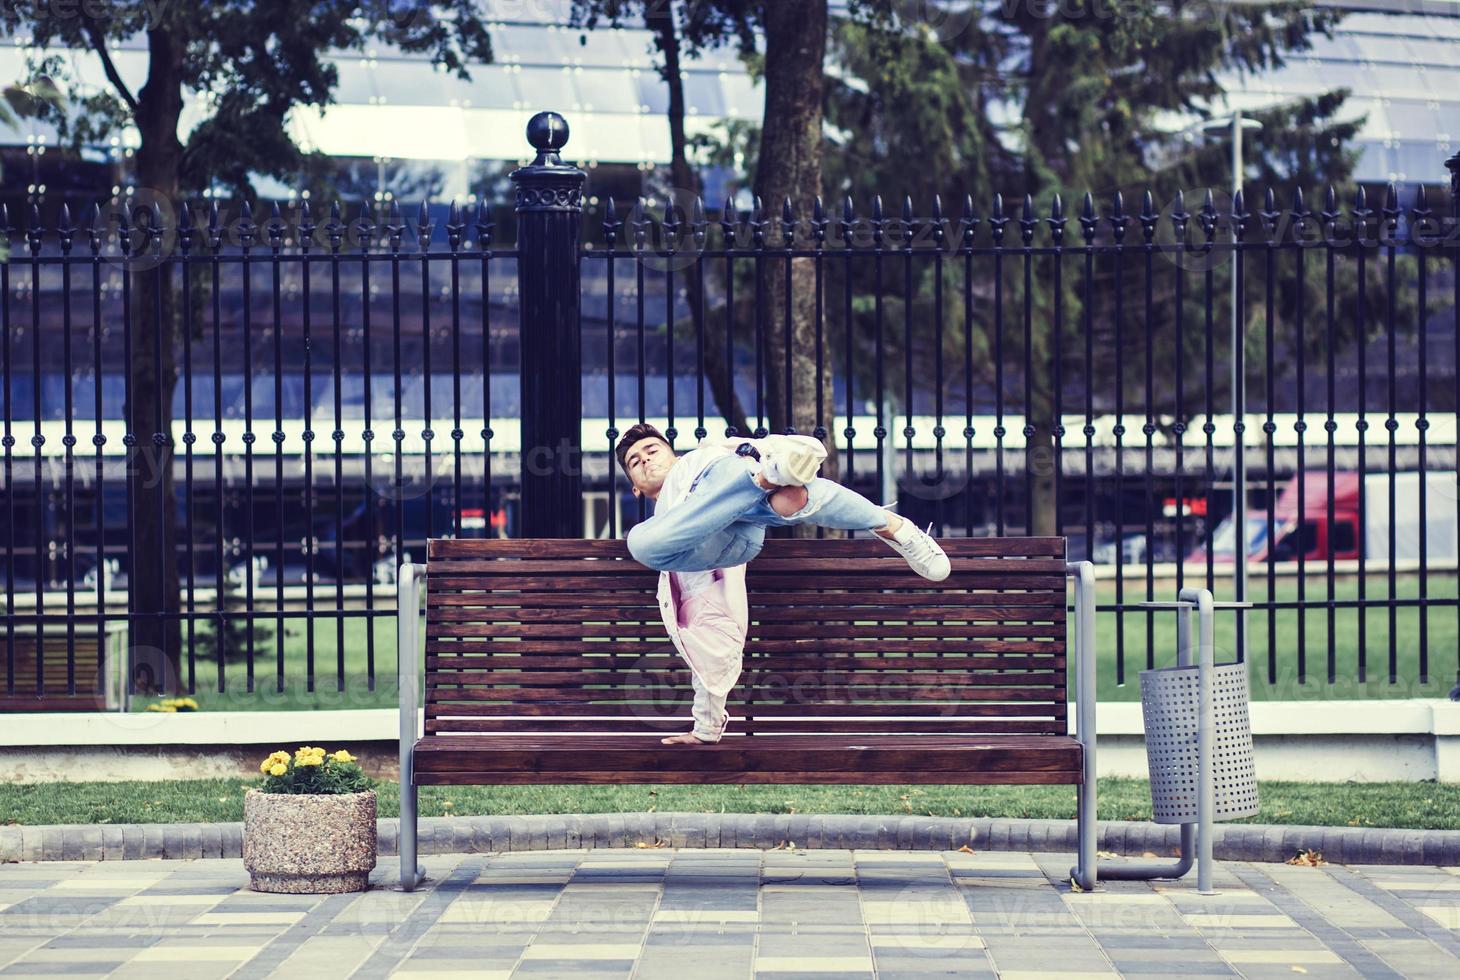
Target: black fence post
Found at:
x=549, y=210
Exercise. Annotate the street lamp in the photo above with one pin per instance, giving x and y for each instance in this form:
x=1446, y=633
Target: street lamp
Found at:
x=1233, y=126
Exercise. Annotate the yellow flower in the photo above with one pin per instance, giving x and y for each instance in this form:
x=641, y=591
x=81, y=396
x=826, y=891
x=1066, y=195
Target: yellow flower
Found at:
x=308, y=760
x=278, y=769
x=154, y=707
x=279, y=756
x=343, y=756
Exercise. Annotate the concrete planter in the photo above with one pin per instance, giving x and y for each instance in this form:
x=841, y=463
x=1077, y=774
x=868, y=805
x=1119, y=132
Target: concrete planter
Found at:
x=309, y=843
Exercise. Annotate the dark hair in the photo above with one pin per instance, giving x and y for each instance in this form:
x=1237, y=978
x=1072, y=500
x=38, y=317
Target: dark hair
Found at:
x=640, y=430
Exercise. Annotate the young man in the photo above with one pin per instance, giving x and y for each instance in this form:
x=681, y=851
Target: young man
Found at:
x=711, y=508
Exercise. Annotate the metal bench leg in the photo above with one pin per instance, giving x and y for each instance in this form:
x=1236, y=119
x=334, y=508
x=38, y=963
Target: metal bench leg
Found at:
x=407, y=631
x=1085, y=873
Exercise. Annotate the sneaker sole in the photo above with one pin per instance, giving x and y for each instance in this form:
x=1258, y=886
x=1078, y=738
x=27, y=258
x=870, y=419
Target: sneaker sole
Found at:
x=801, y=464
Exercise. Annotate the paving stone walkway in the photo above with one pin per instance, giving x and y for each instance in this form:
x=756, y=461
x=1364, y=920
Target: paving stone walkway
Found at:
x=708, y=914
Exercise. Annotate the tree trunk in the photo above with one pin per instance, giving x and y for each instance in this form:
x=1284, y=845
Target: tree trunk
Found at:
x=685, y=190
x=152, y=377
x=1041, y=459
x=790, y=169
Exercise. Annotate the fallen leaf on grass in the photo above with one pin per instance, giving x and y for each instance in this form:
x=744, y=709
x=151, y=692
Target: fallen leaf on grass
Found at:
x=965, y=849
x=1106, y=854
x=1307, y=859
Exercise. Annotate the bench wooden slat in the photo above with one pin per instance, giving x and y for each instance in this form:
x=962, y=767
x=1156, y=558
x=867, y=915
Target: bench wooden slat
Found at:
x=738, y=707
x=642, y=579
x=668, y=659
x=832, y=756
x=819, y=726
x=768, y=601
x=619, y=777
x=889, y=564
x=779, y=630
x=446, y=548
x=632, y=647
x=750, y=677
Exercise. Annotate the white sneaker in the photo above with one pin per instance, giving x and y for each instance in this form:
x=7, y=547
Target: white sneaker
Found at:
x=923, y=554
x=789, y=461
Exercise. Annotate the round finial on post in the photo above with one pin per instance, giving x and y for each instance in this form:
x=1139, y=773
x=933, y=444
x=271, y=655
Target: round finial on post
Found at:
x=548, y=133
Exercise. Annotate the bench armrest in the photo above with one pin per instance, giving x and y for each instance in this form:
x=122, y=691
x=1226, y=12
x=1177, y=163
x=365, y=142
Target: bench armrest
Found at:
x=410, y=589
x=1083, y=629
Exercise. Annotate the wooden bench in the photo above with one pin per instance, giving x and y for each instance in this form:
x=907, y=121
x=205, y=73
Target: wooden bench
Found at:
x=546, y=661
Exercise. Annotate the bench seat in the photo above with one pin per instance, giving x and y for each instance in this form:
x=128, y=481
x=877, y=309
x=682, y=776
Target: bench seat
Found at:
x=968, y=759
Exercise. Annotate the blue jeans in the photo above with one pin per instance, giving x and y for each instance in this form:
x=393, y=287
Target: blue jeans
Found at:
x=722, y=520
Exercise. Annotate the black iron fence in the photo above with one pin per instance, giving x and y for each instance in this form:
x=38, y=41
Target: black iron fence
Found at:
x=353, y=383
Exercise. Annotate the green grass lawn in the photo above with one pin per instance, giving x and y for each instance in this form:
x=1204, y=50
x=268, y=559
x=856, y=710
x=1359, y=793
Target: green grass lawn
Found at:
x=1410, y=805
x=1443, y=642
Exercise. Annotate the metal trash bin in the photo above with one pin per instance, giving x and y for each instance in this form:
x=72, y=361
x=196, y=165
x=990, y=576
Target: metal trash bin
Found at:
x=1171, y=708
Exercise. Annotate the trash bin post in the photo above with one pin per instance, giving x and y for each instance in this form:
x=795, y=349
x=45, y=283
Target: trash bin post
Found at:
x=1205, y=730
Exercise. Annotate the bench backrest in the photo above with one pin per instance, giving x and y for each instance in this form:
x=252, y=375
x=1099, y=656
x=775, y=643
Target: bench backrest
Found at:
x=535, y=636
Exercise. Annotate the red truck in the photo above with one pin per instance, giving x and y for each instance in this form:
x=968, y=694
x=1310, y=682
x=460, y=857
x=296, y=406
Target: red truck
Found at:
x=1302, y=526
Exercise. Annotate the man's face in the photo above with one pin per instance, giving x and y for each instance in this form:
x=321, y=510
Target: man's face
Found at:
x=648, y=462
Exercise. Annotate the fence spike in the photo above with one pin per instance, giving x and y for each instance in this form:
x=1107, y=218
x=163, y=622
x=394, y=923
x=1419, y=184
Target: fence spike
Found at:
x=1027, y=221
x=1087, y=217
x=969, y=221
x=818, y=222
x=275, y=227
x=1421, y=204
x=611, y=224
x=728, y=219
x=306, y=225
x=638, y=223
x=878, y=223
x=1271, y=213
x=1391, y=206
x=1207, y=218
x=64, y=229
x=425, y=227
x=757, y=222
x=1148, y=217
x=93, y=229
x=671, y=223
x=848, y=222
x=1057, y=219
x=998, y=220
x=455, y=227
x=1300, y=207
x=34, y=234
x=1118, y=216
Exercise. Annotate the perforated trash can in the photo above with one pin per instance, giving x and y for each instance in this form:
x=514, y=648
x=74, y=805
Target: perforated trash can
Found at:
x=1170, y=703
